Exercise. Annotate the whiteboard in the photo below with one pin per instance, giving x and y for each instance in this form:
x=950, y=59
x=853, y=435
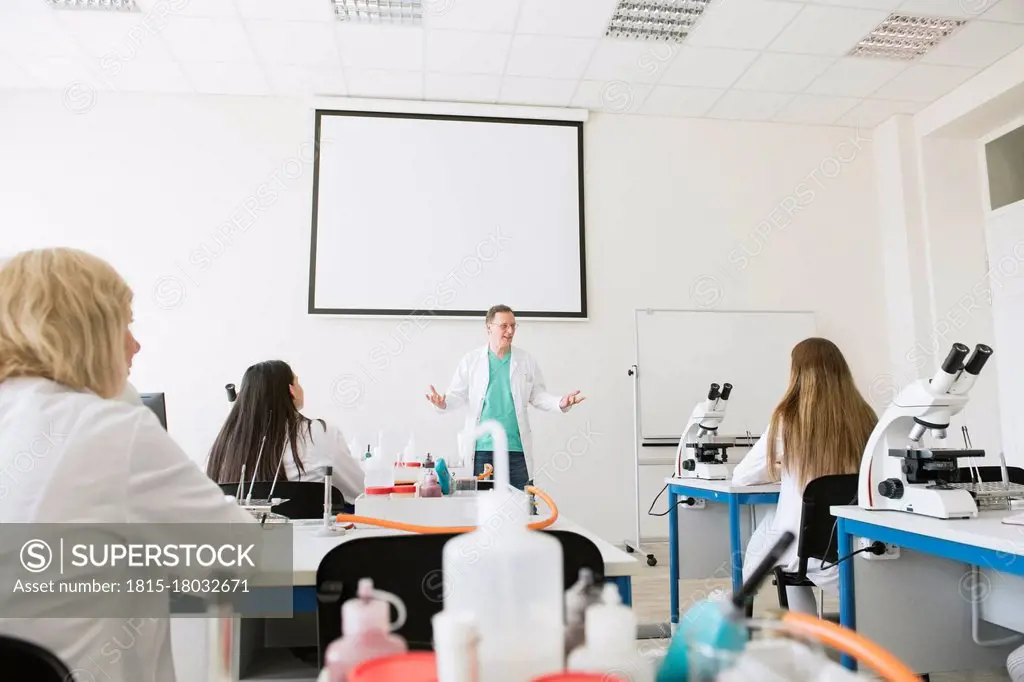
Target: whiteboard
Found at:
x=680, y=353
x=447, y=215
x=1005, y=241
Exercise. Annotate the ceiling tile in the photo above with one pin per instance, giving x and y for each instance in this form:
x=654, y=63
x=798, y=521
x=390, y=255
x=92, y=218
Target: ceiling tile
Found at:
x=467, y=51
x=613, y=97
x=967, y=9
x=31, y=34
x=198, y=39
x=384, y=83
x=575, y=18
x=668, y=100
x=143, y=76
x=977, y=44
x=11, y=6
x=751, y=24
x=12, y=75
x=827, y=30
x=293, y=43
x=923, y=83
x=292, y=10
x=227, y=79
x=471, y=15
x=65, y=73
x=783, y=72
x=886, y=5
x=816, y=109
x=537, y=91
x=391, y=48
x=1001, y=10
x=856, y=77
x=544, y=56
x=305, y=81
x=117, y=37
x=462, y=87
x=707, y=67
x=633, y=62
x=211, y=9
x=872, y=112
x=749, y=106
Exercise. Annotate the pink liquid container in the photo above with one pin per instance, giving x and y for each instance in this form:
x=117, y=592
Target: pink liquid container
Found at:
x=430, y=486
x=366, y=629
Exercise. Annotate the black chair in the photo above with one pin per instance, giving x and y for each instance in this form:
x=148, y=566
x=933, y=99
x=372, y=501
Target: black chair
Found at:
x=31, y=661
x=416, y=578
x=817, y=538
x=305, y=499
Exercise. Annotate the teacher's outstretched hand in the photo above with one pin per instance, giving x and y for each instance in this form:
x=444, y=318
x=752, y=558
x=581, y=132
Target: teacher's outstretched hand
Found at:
x=571, y=399
x=436, y=399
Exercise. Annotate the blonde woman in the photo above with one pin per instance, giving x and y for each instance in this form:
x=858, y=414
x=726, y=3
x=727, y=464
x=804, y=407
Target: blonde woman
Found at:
x=820, y=427
x=70, y=452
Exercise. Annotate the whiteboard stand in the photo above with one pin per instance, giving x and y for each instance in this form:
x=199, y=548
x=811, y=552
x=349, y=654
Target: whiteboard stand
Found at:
x=635, y=544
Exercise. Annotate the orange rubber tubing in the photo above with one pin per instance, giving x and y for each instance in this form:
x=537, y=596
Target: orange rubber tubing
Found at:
x=849, y=642
x=437, y=530
x=488, y=470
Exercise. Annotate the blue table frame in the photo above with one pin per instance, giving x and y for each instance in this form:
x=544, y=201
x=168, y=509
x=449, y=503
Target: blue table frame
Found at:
x=735, y=501
x=945, y=549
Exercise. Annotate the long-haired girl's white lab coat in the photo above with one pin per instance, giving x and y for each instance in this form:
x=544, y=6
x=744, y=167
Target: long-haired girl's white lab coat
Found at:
x=71, y=457
x=468, y=388
x=321, y=447
x=753, y=470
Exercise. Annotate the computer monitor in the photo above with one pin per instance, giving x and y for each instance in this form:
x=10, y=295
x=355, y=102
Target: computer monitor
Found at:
x=155, y=402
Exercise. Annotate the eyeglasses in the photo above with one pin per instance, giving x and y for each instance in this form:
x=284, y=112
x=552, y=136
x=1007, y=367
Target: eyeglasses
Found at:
x=505, y=327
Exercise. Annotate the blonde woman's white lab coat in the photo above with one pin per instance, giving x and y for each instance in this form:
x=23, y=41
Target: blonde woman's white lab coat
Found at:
x=70, y=457
x=468, y=388
x=753, y=470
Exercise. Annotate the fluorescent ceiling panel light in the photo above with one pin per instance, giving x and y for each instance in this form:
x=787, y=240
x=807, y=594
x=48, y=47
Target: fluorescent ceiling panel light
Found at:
x=113, y=5
x=379, y=11
x=904, y=36
x=658, y=20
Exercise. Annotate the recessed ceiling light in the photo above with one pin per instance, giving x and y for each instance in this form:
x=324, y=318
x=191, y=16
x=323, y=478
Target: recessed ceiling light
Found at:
x=664, y=20
x=114, y=5
x=379, y=11
x=904, y=36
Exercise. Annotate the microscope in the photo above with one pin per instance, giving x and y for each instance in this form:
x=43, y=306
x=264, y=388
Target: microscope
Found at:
x=899, y=472
x=698, y=456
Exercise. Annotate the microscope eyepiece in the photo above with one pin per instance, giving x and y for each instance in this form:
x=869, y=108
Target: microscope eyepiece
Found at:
x=713, y=392
x=978, y=359
x=726, y=390
x=954, y=362
x=230, y=390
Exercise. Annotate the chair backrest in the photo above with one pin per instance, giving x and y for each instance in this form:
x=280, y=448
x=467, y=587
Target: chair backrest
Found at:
x=31, y=661
x=417, y=578
x=817, y=524
x=305, y=499
x=994, y=474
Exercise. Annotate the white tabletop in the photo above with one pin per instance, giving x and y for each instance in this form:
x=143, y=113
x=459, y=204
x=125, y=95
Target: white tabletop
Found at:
x=727, y=487
x=309, y=549
x=986, y=531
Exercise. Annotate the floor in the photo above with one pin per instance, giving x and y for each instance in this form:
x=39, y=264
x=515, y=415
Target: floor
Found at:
x=651, y=602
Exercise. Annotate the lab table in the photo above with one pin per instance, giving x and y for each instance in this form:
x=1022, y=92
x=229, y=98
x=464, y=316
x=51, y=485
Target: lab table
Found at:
x=308, y=549
x=723, y=492
x=936, y=585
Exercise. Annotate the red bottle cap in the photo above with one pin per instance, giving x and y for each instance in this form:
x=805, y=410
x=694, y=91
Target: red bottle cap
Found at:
x=578, y=677
x=380, y=490
x=415, y=666
x=406, y=489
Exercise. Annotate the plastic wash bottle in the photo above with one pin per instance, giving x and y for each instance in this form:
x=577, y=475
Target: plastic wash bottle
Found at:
x=611, y=641
x=508, y=578
x=366, y=631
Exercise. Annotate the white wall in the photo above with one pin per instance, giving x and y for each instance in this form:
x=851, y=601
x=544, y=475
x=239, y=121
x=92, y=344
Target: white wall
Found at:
x=680, y=214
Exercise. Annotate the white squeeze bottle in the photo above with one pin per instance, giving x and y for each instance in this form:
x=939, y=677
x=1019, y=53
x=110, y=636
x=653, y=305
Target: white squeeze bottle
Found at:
x=508, y=579
x=610, y=645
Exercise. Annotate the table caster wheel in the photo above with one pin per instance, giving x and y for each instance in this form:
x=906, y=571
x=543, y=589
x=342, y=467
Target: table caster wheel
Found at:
x=652, y=560
x=629, y=550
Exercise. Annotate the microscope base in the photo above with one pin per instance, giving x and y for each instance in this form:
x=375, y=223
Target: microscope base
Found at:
x=707, y=472
x=939, y=504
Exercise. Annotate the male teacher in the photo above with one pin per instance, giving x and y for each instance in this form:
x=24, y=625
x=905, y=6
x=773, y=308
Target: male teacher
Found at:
x=498, y=382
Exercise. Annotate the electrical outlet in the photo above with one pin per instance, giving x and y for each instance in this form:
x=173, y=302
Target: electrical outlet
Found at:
x=891, y=551
x=695, y=503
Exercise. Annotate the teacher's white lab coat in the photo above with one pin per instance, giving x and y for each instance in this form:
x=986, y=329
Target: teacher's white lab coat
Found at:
x=73, y=457
x=468, y=388
x=753, y=470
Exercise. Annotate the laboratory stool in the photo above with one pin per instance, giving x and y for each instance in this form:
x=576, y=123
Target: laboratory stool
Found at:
x=32, y=661
x=817, y=538
x=411, y=567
